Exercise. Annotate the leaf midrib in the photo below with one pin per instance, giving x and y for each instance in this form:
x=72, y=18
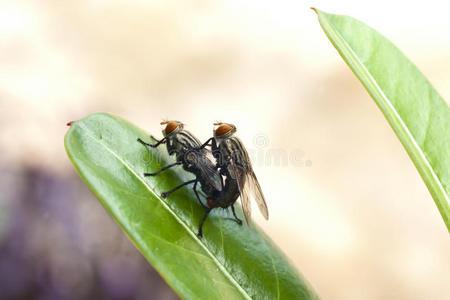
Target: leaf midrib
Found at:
x=167, y=207
x=391, y=113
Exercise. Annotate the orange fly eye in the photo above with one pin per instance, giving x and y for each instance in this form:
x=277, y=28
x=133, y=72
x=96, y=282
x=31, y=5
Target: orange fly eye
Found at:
x=171, y=126
x=223, y=129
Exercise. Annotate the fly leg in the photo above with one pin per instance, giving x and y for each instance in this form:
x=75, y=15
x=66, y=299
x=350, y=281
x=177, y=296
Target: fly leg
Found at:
x=166, y=194
x=152, y=145
x=200, y=227
x=236, y=219
x=206, y=144
x=163, y=169
x=196, y=194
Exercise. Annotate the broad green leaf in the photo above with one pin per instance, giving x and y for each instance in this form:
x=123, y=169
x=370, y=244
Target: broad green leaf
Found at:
x=230, y=262
x=417, y=114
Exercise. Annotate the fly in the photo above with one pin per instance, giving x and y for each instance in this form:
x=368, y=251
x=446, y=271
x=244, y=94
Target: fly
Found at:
x=190, y=156
x=234, y=163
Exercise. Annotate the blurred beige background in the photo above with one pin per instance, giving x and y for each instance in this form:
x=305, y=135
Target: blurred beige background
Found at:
x=352, y=213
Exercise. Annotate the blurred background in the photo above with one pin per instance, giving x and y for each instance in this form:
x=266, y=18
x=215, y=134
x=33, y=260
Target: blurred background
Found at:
x=347, y=205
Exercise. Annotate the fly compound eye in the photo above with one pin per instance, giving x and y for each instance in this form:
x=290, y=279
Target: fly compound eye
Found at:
x=170, y=126
x=224, y=129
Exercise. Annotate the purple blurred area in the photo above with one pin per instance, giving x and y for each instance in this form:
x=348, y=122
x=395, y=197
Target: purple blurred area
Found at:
x=57, y=242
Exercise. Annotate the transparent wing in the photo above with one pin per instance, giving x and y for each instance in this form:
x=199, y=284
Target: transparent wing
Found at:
x=249, y=186
x=254, y=189
x=210, y=173
x=237, y=173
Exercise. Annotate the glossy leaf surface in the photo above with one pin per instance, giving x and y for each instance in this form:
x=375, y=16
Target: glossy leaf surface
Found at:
x=230, y=262
x=416, y=112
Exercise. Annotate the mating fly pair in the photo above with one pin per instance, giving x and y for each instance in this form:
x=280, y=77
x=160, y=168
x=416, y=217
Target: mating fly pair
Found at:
x=232, y=163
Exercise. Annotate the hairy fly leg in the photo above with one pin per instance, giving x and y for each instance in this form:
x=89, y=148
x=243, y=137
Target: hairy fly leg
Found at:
x=207, y=143
x=167, y=194
x=236, y=219
x=200, y=227
x=163, y=169
x=197, y=195
x=162, y=141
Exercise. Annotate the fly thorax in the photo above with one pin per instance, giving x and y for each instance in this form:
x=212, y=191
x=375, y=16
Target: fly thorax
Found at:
x=218, y=141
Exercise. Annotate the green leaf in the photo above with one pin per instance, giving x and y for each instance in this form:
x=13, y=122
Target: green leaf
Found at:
x=231, y=261
x=417, y=114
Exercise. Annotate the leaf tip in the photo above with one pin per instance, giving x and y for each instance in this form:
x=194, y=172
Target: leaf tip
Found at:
x=314, y=9
x=70, y=123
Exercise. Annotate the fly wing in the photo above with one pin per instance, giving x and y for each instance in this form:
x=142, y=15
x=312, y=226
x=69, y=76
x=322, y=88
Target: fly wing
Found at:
x=200, y=158
x=210, y=174
x=256, y=192
x=237, y=172
x=250, y=189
